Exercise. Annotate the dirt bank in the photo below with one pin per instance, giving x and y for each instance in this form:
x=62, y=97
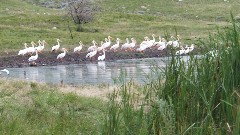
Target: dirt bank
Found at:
x=48, y=58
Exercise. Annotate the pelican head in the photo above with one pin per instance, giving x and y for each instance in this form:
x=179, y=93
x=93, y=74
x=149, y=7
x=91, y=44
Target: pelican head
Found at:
x=33, y=43
x=44, y=42
x=80, y=43
x=145, y=38
x=94, y=42
x=58, y=40
x=102, y=43
x=164, y=40
x=25, y=44
x=178, y=37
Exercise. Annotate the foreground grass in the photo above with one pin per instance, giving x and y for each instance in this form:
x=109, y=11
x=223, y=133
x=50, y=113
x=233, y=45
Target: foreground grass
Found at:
x=201, y=96
x=31, y=108
x=22, y=22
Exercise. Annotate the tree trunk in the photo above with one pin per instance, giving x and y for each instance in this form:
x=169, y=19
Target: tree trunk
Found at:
x=79, y=28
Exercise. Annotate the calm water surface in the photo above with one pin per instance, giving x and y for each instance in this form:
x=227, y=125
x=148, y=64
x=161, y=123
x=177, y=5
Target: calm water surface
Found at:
x=90, y=73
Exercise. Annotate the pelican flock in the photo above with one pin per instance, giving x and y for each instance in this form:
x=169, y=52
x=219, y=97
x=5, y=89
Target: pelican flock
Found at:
x=107, y=46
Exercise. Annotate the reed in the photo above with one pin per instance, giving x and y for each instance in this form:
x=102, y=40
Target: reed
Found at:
x=200, y=96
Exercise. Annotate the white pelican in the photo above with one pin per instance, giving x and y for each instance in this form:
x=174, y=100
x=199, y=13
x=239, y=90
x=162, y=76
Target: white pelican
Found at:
x=152, y=42
x=78, y=48
x=143, y=47
x=23, y=51
x=5, y=70
x=125, y=45
x=170, y=42
x=176, y=43
x=133, y=43
x=162, y=47
x=146, y=42
x=34, y=57
x=41, y=45
x=91, y=54
x=191, y=48
x=180, y=52
x=102, y=57
x=187, y=50
x=100, y=48
x=56, y=47
x=61, y=55
x=107, y=43
x=162, y=43
x=116, y=46
x=31, y=49
x=92, y=48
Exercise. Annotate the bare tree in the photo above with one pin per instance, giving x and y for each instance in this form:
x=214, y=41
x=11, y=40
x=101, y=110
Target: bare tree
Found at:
x=82, y=11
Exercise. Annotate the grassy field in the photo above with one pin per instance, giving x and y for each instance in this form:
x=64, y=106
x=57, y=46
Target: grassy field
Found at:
x=22, y=22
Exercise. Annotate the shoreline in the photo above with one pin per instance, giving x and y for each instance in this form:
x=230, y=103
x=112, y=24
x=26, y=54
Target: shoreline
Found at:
x=48, y=58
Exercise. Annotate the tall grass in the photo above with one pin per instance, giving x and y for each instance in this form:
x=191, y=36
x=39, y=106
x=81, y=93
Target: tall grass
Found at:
x=200, y=96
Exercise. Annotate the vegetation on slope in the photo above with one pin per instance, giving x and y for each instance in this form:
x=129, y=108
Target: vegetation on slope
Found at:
x=22, y=22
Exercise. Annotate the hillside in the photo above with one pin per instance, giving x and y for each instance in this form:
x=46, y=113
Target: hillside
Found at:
x=22, y=22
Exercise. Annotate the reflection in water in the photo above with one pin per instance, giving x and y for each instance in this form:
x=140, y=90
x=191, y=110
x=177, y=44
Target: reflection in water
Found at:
x=91, y=73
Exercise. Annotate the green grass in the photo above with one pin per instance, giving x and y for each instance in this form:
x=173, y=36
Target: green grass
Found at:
x=22, y=22
x=31, y=108
x=197, y=97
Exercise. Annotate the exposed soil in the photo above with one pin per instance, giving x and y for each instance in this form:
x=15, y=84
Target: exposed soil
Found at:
x=48, y=58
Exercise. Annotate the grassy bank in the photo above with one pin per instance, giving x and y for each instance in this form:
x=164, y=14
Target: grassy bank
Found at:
x=22, y=22
x=31, y=108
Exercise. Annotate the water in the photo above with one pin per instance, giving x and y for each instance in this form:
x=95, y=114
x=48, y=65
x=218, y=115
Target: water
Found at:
x=90, y=73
